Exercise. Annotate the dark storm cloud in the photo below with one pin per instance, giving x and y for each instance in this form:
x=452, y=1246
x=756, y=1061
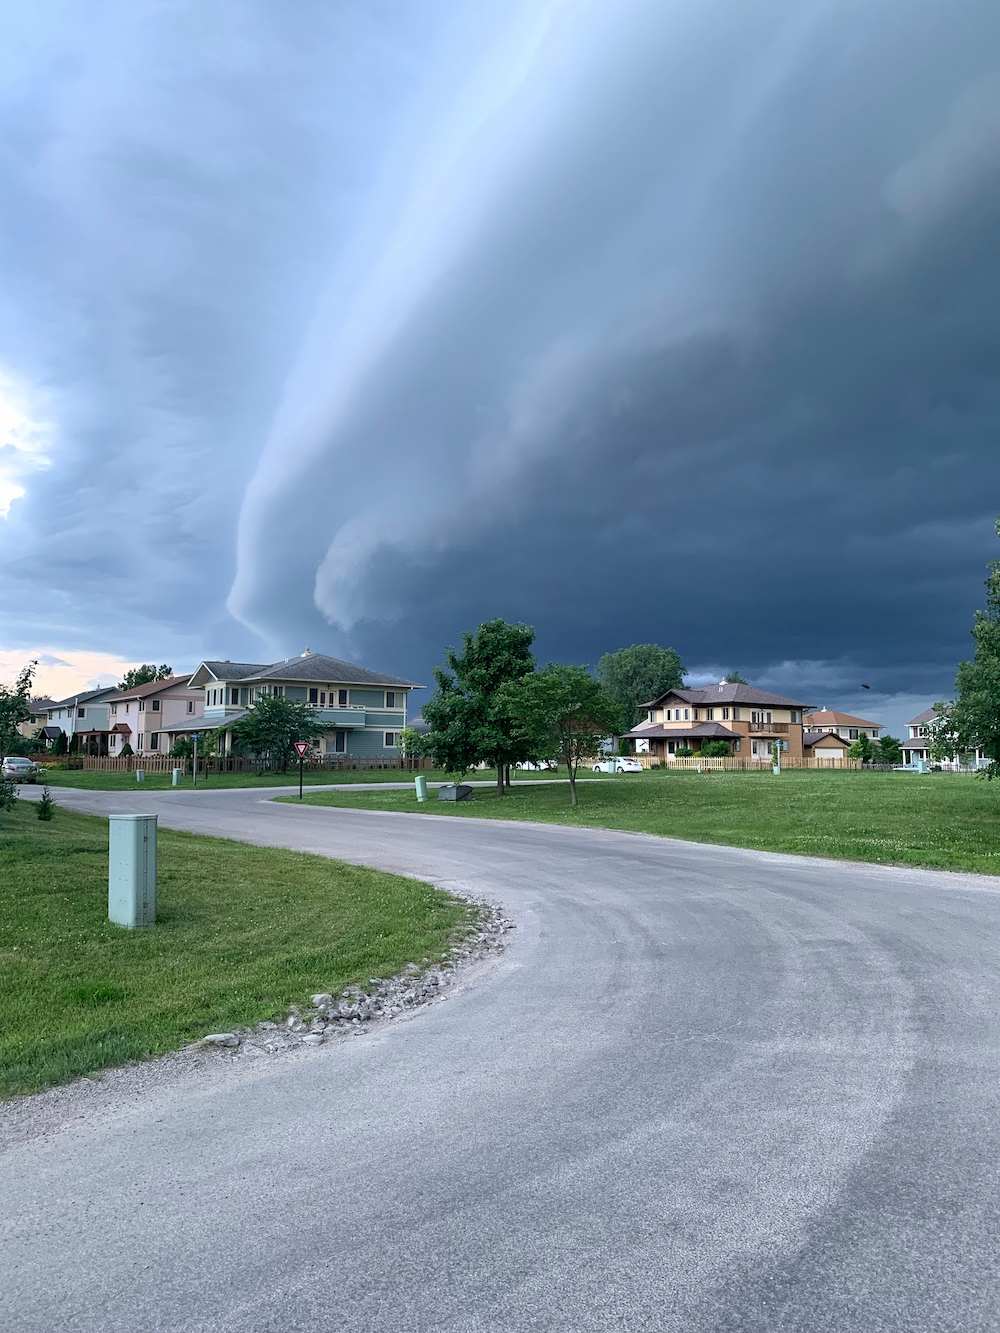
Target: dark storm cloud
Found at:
x=636, y=321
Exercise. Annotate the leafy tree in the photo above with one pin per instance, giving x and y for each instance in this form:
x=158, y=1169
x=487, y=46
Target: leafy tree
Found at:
x=15, y=708
x=468, y=724
x=888, y=750
x=715, y=749
x=735, y=678
x=973, y=721
x=145, y=674
x=861, y=749
x=636, y=674
x=560, y=710
x=270, y=727
x=8, y=793
x=411, y=743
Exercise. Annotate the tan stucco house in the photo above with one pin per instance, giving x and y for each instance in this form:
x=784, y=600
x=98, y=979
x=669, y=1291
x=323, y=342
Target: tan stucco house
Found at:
x=748, y=719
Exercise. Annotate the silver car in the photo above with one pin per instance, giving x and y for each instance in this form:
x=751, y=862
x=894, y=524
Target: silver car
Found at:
x=19, y=769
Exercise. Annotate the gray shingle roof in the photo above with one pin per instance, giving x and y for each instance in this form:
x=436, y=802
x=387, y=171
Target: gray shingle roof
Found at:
x=928, y=715
x=703, y=730
x=226, y=670
x=317, y=666
x=730, y=694
x=813, y=737
x=84, y=697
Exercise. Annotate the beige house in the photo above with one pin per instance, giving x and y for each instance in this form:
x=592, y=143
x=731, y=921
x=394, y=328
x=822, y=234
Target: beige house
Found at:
x=39, y=717
x=749, y=720
x=845, y=725
x=142, y=717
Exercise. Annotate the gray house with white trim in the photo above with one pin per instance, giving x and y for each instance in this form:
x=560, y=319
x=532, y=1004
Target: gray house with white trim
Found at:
x=362, y=711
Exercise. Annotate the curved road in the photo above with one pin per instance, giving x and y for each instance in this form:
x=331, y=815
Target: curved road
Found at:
x=705, y=1090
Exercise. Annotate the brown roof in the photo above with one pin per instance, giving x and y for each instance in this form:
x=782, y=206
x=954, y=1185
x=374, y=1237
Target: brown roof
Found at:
x=144, y=691
x=702, y=730
x=729, y=693
x=122, y=728
x=829, y=717
x=928, y=715
x=812, y=738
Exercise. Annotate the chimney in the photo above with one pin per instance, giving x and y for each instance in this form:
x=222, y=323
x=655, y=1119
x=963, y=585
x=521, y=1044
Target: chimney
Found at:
x=307, y=652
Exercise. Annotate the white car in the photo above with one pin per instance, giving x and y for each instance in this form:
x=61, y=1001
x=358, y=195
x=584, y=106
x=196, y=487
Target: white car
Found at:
x=619, y=764
x=19, y=769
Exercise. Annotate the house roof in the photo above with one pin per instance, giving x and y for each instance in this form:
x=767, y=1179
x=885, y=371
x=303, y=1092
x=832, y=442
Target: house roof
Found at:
x=702, y=731
x=201, y=724
x=84, y=697
x=144, y=691
x=42, y=704
x=810, y=738
x=223, y=669
x=829, y=717
x=320, y=667
x=916, y=743
x=122, y=728
x=928, y=715
x=728, y=693
x=52, y=733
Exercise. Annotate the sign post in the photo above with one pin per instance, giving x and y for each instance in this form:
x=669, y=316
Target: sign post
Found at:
x=300, y=750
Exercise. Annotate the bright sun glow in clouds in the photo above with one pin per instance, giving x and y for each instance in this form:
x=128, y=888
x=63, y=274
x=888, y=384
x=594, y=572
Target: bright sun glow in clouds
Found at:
x=24, y=439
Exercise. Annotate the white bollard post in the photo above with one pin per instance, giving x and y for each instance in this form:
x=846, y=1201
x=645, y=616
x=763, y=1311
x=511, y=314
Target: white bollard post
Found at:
x=132, y=870
x=175, y=777
x=140, y=775
x=420, y=783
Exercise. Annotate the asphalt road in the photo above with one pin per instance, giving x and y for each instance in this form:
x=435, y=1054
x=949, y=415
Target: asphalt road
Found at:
x=705, y=1090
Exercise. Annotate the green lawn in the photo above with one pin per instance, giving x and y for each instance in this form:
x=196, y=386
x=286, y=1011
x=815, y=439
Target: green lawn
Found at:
x=948, y=821
x=242, y=932
x=93, y=780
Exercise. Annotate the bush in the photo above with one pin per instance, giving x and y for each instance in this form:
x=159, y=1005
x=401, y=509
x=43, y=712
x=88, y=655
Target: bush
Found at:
x=715, y=749
x=684, y=752
x=46, y=806
x=8, y=793
x=126, y=752
x=62, y=744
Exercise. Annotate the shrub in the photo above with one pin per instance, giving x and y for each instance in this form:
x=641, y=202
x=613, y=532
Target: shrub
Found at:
x=684, y=752
x=8, y=793
x=715, y=749
x=62, y=744
x=46, y=806
x=126, y=752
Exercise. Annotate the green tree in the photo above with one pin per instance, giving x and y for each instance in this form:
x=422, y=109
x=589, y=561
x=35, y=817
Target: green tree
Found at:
x=145, y=674
x=861, y=749
x=15, y=708
x=411, y=743
x=46, y=806
x=61, y=745
x=467, y=723
x=716, y=749
x=560, y=710
x=634, y=675
x=735, y=678
x=8, y=793
x=270, y=727
x=889, y=750
x=973, y=721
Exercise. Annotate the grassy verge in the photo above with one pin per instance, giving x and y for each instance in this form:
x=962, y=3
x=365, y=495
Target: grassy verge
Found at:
x=92, y=780
x=242, y=932
x=946, y=821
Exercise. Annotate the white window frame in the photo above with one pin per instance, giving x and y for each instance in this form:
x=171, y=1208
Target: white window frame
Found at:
x=347, y=698
x=391, y=694
x=393, y=744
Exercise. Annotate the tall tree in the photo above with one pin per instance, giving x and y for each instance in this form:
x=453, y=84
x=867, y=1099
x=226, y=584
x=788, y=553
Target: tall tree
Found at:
x=636, y=674
x=973, y=720
x=15, y=708
x=467, y=724
x=560, y=710
x=889, y=750
x=272, y=725
x=735, y=678
x=145, y=674
x=861, y=749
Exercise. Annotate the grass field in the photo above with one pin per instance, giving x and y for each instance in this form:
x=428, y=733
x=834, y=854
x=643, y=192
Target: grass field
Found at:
x=947, y=821
x=93, y=780
x=242, y=932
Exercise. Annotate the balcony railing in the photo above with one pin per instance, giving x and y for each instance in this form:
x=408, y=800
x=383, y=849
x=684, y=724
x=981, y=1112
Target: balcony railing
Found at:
x=770, y=728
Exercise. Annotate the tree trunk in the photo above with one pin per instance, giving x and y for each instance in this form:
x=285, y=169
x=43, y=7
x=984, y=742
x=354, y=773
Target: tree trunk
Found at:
x=506, y=776
x=499, y=767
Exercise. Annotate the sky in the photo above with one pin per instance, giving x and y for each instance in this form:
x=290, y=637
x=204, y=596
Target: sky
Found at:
x=353, y=325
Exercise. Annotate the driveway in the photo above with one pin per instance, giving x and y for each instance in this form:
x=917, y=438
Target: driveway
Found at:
x=705, y=1090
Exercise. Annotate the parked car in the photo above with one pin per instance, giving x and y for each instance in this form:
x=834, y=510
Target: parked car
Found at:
x=619, y=764
x=19, y=769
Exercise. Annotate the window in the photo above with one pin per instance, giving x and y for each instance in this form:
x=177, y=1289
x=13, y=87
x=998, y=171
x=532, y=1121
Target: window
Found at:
x=710, y=712
x=156, y=705
x=142, y=705
x=234, y=696
x=852, y=733
x=81, y=712
x=341, y=742
x=314, y=696
x=190, y=703
x=686, y=712
x=725, y=713
x=114, y=710
x=389, y=740
x=154, y=741
x=390, y=699
x=112, y=741
x=342, y=698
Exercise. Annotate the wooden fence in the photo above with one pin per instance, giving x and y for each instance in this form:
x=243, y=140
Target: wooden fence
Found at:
x=164, y=763
x=735, y=764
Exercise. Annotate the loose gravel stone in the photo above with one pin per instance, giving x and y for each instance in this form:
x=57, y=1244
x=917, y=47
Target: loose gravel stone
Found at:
x=221, y=1039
